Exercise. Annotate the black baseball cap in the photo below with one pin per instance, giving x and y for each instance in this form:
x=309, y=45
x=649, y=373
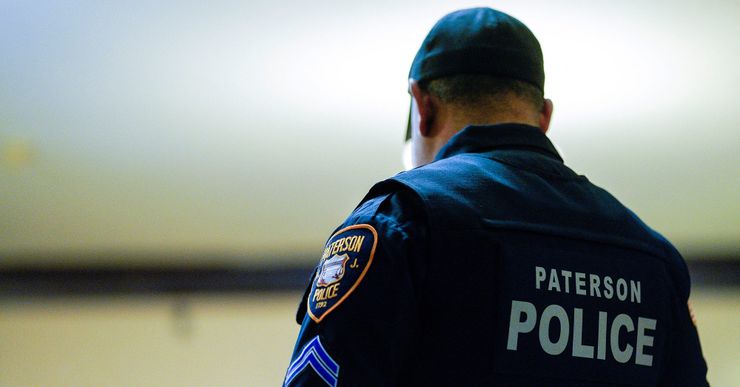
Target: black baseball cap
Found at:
x=478, y=41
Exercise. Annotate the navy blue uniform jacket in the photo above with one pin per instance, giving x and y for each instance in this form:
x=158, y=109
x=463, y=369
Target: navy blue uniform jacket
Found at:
x=496, y=265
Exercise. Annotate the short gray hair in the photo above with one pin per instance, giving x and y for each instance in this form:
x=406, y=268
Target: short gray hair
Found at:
x=473, y=90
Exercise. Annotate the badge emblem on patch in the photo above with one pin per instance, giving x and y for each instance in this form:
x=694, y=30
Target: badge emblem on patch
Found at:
x=332, y=270
x=347, y=257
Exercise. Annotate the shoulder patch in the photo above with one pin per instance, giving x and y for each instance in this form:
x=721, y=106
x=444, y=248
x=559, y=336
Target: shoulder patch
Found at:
x=346, y=259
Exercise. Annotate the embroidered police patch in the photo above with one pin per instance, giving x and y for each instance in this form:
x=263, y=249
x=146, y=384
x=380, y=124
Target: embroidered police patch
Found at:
x=347, y=257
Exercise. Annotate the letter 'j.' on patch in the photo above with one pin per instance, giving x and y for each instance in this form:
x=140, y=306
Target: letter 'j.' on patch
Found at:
x=347, y=257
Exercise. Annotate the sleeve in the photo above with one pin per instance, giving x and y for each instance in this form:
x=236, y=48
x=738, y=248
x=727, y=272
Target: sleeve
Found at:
x=685, y=363
x=360, y=321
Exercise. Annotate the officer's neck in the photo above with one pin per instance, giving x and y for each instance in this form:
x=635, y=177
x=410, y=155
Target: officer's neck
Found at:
x=449, y=121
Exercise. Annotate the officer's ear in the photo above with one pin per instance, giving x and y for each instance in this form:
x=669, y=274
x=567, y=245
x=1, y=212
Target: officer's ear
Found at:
x=425, y=108
x=545, y=115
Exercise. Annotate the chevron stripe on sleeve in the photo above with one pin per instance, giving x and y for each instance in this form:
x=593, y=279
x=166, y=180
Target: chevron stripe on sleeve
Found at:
x=314, y=355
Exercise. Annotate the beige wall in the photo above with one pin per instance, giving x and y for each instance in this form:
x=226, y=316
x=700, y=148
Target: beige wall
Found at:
x=217, y=340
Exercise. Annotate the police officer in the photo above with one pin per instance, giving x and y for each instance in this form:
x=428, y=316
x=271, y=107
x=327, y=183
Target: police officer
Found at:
x=492, y=263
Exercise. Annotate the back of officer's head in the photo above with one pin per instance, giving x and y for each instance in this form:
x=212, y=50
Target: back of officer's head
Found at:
x=476, y=66
x=480, y=96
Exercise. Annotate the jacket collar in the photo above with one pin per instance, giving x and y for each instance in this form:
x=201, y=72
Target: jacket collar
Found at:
x=480, y=139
